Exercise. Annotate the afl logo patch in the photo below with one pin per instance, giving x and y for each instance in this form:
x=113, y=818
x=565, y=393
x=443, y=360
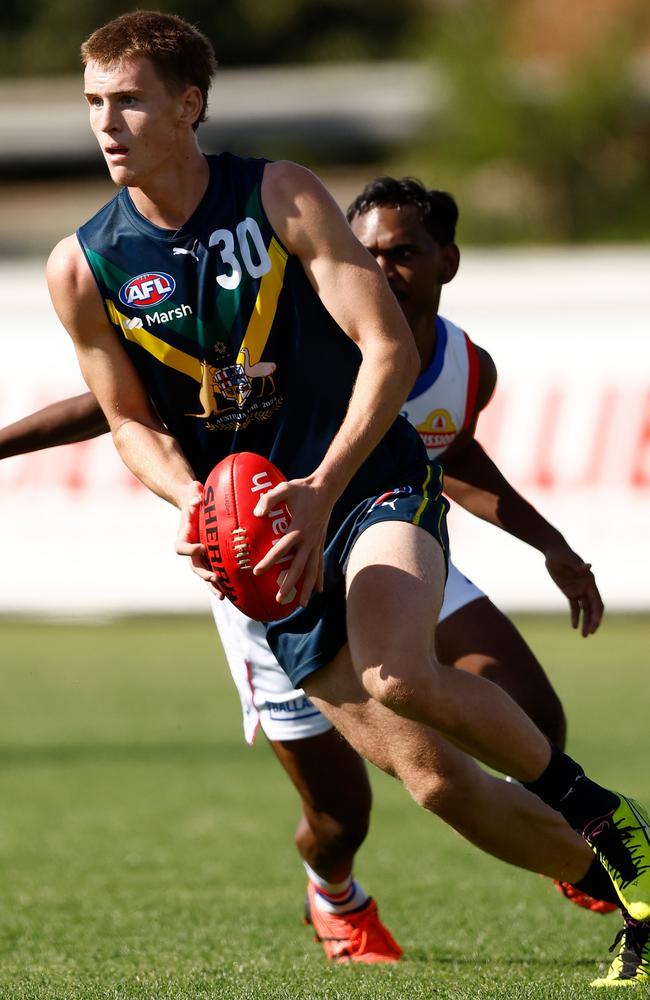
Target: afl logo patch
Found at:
x=148, y=289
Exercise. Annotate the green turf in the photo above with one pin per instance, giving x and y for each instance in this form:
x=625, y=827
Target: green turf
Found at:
x=146, y=852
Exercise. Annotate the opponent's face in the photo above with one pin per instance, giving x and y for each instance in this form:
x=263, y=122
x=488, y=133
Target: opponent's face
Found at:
x=135, y=118
x=415, y=265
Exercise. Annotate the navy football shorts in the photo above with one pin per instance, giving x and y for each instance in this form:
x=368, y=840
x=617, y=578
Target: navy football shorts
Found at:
x=311, y=637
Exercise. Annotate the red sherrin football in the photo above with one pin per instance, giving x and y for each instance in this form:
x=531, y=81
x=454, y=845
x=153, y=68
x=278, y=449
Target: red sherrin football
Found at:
x=235, y=540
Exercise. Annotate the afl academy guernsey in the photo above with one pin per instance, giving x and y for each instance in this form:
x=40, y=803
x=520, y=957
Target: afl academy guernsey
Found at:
x=232, y=344
x=443, y=400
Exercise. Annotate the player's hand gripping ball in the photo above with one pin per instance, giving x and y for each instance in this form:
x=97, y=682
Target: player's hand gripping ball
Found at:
x=235, y=540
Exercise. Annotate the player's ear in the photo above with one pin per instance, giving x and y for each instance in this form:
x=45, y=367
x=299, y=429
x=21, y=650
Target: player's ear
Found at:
x=190, y=105
x=450, y=262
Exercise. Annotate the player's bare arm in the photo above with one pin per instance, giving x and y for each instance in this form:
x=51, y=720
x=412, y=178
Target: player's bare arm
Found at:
x=354, y=291
x=143, y=443
x=474, y=481
x=64, y=422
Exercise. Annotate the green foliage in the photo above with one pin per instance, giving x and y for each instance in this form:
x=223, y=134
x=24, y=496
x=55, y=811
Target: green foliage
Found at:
x=535, y=150
x=44, y=36
x=146, y=852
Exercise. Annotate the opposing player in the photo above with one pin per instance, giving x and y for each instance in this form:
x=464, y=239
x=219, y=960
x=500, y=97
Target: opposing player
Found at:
x=316, y=306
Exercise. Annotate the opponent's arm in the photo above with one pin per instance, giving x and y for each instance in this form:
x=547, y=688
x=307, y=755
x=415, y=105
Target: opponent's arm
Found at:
x=474, y=481
x=356, y=294
x=144, y=444
x=65, y=422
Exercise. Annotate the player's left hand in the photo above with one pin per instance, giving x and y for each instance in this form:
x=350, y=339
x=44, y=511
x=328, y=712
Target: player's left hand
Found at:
x=578, y=584
x=310, y=507
x=187, y=538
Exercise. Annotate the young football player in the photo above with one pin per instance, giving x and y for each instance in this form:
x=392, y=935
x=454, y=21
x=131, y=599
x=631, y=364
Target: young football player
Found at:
x=419, y=255
x=280, y=274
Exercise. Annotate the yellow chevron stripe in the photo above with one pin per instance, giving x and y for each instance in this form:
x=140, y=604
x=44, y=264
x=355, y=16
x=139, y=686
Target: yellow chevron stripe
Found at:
x=266, y=304
x=170, y=356
x=425, y=497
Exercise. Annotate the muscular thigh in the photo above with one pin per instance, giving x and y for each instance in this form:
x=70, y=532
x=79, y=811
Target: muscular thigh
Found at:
x=395, y=582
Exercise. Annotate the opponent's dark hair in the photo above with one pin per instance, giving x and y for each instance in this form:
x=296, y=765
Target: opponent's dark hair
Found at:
x=438, y=210
x=181, y=54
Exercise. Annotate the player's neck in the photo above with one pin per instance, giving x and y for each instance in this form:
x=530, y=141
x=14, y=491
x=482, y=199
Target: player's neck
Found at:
x=426, y=337
x=169, y=197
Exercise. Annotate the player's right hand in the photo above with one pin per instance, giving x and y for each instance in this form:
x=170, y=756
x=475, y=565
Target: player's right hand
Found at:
x=577, y=582
x=310, y=507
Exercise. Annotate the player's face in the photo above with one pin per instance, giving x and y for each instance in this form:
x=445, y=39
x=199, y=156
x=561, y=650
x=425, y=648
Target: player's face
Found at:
x=134, y=118
x=415, y=265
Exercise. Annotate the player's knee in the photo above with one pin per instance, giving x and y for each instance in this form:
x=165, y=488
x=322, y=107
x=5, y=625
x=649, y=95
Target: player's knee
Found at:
x=401, y=692
x=391, y=691
x=445, y=795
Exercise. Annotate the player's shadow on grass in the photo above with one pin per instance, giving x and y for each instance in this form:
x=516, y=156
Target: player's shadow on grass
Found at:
x=421, y=955
x=140, y=753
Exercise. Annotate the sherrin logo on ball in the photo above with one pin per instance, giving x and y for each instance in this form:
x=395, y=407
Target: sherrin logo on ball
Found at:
x=149, y=289
x=235, y=539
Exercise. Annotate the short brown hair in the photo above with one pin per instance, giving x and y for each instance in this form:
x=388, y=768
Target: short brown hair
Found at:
x=181, y=54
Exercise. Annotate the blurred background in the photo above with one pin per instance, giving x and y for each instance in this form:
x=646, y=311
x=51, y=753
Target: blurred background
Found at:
x=535, y=114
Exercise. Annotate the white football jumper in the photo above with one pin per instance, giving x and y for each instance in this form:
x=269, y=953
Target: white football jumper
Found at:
x=442, y=401
x=440, y=405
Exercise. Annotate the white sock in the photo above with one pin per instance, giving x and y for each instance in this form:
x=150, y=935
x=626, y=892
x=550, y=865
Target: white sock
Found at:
x=336, y=897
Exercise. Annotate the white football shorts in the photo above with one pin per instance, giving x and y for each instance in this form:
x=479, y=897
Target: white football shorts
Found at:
x=267, y=696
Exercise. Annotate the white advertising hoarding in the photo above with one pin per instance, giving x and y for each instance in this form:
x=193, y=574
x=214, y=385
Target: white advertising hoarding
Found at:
x=569, y=426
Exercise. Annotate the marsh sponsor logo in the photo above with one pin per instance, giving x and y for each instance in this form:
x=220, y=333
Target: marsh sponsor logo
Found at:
x=149, y=289
x=178, y=312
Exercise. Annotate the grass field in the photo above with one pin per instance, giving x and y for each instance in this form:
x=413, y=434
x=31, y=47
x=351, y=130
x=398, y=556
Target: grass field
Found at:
x=146, y=851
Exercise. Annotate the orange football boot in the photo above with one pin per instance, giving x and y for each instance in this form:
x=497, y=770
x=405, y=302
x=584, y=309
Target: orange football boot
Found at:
x=357, y=936
x=582, y=899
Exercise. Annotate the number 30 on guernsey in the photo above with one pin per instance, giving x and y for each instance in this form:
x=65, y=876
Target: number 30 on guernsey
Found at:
x=251, y=243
